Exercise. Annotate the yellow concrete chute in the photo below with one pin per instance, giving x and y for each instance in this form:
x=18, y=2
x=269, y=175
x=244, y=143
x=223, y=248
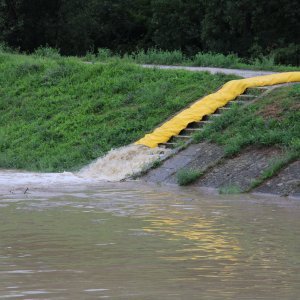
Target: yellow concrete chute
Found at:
x=209, y=104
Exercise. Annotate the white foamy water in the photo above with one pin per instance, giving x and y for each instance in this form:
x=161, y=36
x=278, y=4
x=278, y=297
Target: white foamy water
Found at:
x=114, y=166
x=123, y=162
x=15, y=178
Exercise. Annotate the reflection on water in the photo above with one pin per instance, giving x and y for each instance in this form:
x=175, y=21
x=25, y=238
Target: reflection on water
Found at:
x=123, y=243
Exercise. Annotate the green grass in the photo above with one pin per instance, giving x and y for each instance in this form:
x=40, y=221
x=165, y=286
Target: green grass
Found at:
x=201, y=59
x=230, y=190
x=275, y=168
x=188, y=176
x=59, y=113
x=272, y=121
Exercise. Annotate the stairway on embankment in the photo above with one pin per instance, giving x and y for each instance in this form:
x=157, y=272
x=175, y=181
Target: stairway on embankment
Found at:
x=220, y=173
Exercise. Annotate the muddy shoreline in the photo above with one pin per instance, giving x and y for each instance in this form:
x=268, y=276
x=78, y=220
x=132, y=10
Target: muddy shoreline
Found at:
x=14, y=189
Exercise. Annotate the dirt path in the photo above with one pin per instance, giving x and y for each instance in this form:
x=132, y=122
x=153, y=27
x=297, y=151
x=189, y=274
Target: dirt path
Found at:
x=238, y=72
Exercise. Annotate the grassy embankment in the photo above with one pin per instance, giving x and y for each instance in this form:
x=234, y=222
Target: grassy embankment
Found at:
x=59, y=114
x=155, y=56
x=273, y=121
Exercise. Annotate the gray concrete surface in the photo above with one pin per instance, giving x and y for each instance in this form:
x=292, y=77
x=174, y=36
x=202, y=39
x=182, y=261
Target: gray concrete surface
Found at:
x=238, y=72
x=287, y=182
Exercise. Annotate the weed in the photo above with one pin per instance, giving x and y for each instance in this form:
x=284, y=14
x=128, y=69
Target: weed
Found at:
x=28, y=68
x=295, y=91
x=230, y=189
x=47, y=52
x=210, y=59
x=157, y=163
x=54, y=75
x=157, y=56
x=254, y=91
x=90, y=57
x=188, y=176
x=275, y=168
x=4, y=48
x=104, y=54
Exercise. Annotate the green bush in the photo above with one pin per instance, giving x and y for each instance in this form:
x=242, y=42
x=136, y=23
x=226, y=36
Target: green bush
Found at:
x=289, y=55
x=157, y=56
x=4, y=48
x=210, y=59
x=47, y=52
x=104, y=54
x=264, y=62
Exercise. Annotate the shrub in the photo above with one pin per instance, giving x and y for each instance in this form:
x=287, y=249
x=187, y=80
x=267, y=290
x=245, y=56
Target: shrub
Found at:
x=104, y=54
x=47, y=52
x=157, y=56
x=264, y=62
x=289, y=55
x=4, y=48
x=216, y=60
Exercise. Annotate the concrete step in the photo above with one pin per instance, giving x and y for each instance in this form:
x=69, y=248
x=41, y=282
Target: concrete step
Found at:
x=205, y=122
x=182, y=136
x=193, y=129
x=247, y=96
x=224, y=108
x=236, y=102
x=199, y=125
x=263, y=87
x=215, y=115
x=170, y=145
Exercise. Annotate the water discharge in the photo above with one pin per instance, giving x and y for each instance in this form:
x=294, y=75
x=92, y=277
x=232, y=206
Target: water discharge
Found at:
x=123, y=162
x=116, y=165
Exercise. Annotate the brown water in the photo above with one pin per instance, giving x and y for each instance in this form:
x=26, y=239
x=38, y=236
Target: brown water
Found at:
x=122, y=242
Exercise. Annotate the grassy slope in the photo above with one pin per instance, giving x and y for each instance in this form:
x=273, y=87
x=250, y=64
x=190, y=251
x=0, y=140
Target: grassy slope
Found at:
x=271, y=121
x=59, y=114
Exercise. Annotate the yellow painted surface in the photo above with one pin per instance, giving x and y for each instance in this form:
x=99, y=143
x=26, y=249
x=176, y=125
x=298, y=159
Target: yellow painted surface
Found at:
x=209, y=104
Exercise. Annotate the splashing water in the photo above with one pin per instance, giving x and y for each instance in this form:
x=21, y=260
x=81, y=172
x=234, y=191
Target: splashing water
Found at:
x=122, y=162
x=116, y=165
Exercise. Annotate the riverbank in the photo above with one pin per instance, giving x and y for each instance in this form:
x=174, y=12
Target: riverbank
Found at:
x=17, y=185
x=58, y=114
x=250, y=148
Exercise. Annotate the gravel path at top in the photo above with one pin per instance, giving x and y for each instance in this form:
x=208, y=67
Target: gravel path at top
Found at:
x=238, y=72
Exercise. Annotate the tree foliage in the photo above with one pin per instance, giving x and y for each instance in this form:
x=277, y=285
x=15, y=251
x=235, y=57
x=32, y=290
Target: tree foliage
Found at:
x=249, y=28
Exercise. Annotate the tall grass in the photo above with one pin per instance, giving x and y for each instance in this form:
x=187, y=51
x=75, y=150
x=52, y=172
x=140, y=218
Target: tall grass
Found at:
x=155, y=56
x=188, y=176
x=216, y=60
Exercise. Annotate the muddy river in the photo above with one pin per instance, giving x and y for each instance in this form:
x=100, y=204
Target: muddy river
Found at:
x=128, y=241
